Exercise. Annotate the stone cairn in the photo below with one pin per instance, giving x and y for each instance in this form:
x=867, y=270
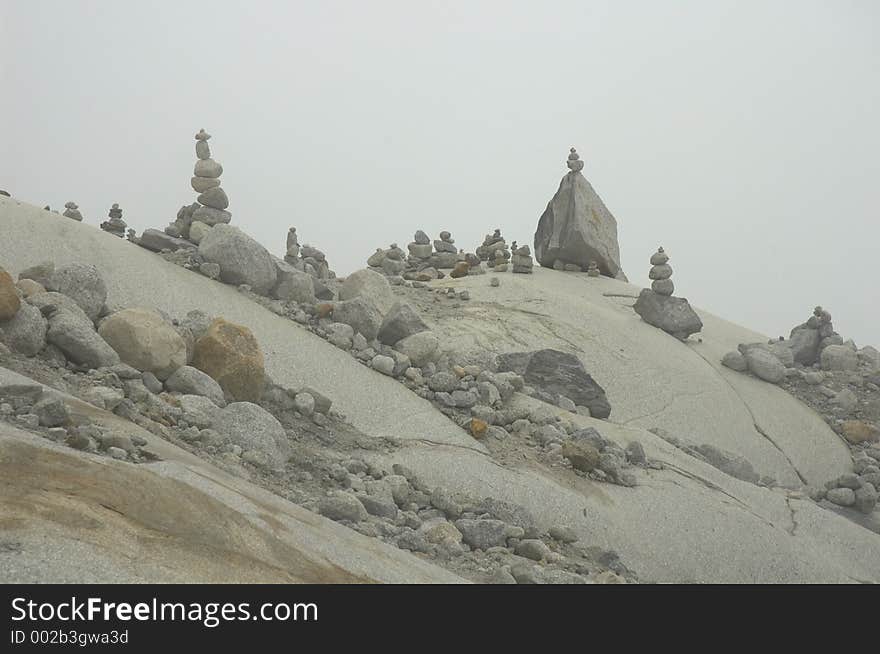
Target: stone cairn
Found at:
x=593, y=270
x=423, y=263
x=522, y=259
x=492, y=245
x=206, y=183
x=72, y=211
x=574, y=162
x=116, y=225
x=658, y=307
x=292, y=255
x=661, y=273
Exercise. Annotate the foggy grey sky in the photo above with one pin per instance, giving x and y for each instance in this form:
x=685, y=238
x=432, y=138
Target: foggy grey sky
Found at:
x=741, y=136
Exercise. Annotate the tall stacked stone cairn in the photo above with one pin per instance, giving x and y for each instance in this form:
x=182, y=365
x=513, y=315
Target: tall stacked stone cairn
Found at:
x=522, y=259
x=72, y=211
x=661, y=273
x=658, y=307
x=116, y=225
x=577, y=228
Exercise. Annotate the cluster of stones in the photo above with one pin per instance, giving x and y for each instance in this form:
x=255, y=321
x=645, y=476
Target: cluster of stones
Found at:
x=661, y=273
x=593, y=269
x=306, y=258
x=658, y=307
x=72, y=211
x=494, y=251
x=201, y=383
x=576, y=228
x=424, y=263
x=856, y=489
x=116, y=225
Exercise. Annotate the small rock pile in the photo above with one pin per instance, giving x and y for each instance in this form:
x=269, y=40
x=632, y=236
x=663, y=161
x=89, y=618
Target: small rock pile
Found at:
x=856, y=489
x=116, y=225
x=494, y=249
x=72, y=211
x=423, y=263
x=593, y=270
x=658, y=307
x=522, y=260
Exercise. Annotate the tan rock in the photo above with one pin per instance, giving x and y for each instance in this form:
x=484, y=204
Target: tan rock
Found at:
x=143, y=340
x=231, y=355
x=478, y=427
x=859, y=431
x=583, y=456
x=461, y=270
x=29, y=287
x=9, y=300
x=324, y=309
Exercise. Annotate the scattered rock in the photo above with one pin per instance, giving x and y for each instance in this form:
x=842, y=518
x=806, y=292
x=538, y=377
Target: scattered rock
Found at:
x=144, y=341
x=230, y=354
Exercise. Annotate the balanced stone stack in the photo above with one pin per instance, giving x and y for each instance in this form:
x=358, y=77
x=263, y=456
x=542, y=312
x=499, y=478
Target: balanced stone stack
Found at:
x=500, y=262
x=593, y=269
x=206, y=182
x=492, y=244
x=315, y=262
x=72, y=211
x=116, y=225
x=577, y=228
x=292, y=255
x=661, y=273
x=809, y=339
x=659, y=308
x=522, y=259
x=420, y=249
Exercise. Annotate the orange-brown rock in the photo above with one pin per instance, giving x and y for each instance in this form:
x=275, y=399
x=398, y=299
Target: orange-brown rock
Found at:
x=461, y=269
x=9, y=300
x=859, y=431
x=230, y=354
x=478, y=427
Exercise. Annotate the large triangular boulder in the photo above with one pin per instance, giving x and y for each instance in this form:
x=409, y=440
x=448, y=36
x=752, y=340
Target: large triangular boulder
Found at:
x=577, y=228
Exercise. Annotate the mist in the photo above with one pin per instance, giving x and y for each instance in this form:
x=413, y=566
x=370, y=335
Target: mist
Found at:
x=740, y=136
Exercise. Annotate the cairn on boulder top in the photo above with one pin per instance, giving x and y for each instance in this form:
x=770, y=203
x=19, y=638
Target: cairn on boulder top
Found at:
x=577, y=228
x=72, y=211
x=809, y=339
x=420, y=249
x=292, y=255
x=661, y=273
x=593, y=270
x=206, y=182
x=116, y=225
x=673, y=315
x=522, y=259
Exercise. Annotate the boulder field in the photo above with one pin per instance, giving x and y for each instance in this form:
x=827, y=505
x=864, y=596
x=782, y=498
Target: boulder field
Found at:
x=685, y=520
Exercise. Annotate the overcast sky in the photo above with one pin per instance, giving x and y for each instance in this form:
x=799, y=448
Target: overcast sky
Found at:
x=742, y=136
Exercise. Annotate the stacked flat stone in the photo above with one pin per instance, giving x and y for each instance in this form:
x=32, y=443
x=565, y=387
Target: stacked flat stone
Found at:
x=315, y=262
x=292, y=255
x=206, y=182
x=445, y=244
x=593, y=270
x=661, y=273
x=574, y=162
x=116, y=225
x=72, y=211
x=522, y=259
x=420, y=248
x=491, y=244
x=500, y=262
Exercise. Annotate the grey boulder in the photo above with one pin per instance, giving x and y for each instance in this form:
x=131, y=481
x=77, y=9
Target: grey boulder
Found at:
x=254, y=429
x=401, y=322
x=77, y=339
x=241, y=259
x=192, y=381
x=558, y=373
x=765, y=365
x=370, y=285
x=25, y=332
x=577, y=228
x=153, y=239
x=673, y=315
x=839, y=357
x=83, y=284
x=360, y=314
x=293, y=285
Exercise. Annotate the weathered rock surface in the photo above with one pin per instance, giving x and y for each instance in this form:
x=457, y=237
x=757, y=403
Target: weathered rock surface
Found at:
x=293, y=285
x=192, y=381
x=83, y=284
x=155, y=240
x=253, y=429
x=9, y=300
x=143, y=340
x=360, y=314
x=76, y=337
x=230, y=354
x=25, y=332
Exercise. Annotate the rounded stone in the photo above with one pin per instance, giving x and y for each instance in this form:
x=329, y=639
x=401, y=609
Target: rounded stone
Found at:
x=663, y=271
x=231, y=355
x=203, y=150
x=143, y=340
x=215, y=198
x=207, y=168
x=663, y=286
x=202, y=184
x=9, y=300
